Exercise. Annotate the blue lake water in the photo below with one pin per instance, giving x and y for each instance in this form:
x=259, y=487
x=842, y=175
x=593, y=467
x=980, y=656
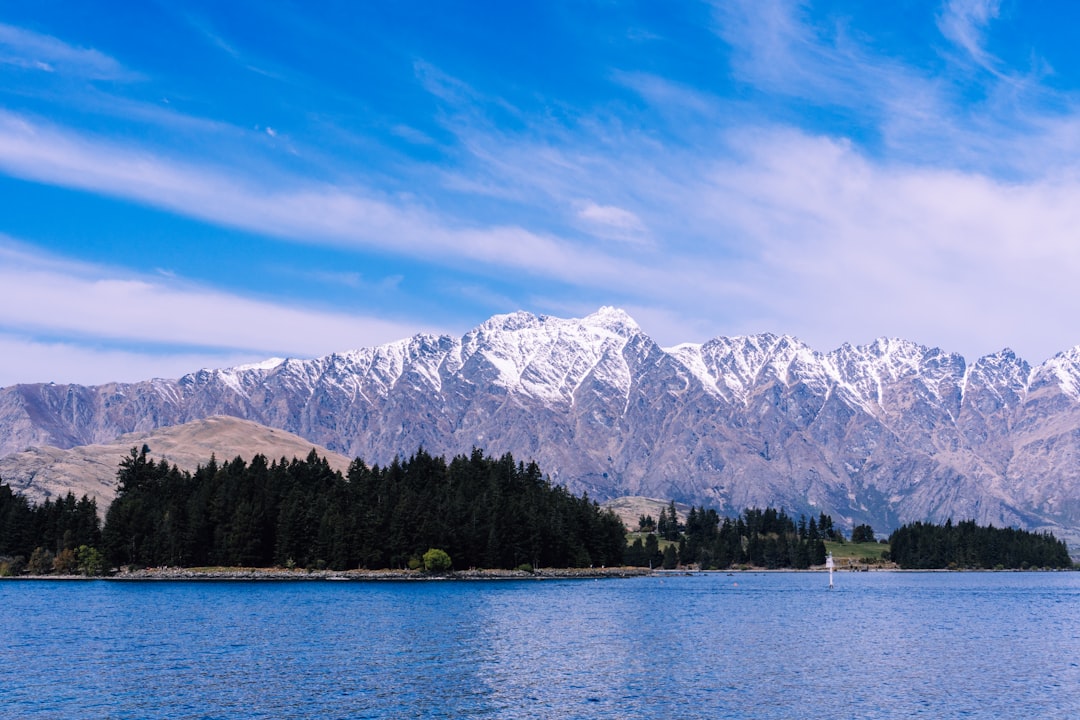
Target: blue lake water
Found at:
x=768, y=645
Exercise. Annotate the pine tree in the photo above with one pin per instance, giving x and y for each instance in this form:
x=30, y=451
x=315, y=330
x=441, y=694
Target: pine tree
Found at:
x=670, y=558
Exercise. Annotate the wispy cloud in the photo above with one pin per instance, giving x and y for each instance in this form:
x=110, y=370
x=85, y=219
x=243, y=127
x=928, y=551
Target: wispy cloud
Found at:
x=781, y=229
x=936, y=255
x=28, y=49
x=297, y=210
x=411, y=134
x=776, y=49
x=87, y=305
x=964, y=22
x=29, y=360
x=667, y=95
x=216, y=39
x=609, y=221
x=1003, y=121
x=354, y=280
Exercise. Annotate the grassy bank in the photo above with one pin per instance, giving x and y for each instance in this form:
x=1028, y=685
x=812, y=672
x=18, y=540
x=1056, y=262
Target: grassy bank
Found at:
x=849, y=553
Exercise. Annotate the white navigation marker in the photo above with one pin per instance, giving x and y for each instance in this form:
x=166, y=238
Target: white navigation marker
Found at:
x=830, y=565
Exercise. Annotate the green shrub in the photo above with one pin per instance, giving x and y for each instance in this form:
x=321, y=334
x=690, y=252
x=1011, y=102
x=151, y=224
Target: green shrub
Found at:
x=437, y=561
x=91, y=561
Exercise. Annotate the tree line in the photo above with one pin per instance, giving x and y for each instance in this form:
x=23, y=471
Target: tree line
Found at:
x=766, y=538
x=925, y=546
x=61, y=535
x=477, y=511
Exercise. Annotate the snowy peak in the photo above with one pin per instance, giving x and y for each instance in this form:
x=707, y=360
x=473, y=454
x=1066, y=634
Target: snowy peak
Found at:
x=265, y=365
x=550, y=358
x=612, y=319
x=732, y=367
x=547, y=357
x=510, y=322
x=1001, y=375
x=871, y=370
x=1062, y=369
x=887, y=359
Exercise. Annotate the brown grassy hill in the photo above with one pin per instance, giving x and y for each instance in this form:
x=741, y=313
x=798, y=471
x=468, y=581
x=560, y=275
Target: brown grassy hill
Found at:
x=630, y=508
x=48, y=472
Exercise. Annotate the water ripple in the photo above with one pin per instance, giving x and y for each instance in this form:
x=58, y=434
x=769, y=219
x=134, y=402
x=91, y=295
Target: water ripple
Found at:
x=883, y=645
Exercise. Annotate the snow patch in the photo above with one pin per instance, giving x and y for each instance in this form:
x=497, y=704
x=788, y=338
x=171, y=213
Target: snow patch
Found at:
x=268, y=364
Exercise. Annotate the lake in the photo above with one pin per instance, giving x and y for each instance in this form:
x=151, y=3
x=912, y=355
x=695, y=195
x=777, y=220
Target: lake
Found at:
x=747, y=645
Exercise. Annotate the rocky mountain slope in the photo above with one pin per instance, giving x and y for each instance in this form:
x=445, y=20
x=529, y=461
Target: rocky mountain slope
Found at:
x=880, y=433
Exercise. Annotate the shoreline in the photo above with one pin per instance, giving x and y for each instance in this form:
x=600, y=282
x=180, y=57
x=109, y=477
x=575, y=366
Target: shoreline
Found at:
x=168, y=574
x=174, y=574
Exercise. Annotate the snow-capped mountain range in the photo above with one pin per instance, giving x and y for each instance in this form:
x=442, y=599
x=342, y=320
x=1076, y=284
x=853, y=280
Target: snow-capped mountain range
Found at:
x=881, y=433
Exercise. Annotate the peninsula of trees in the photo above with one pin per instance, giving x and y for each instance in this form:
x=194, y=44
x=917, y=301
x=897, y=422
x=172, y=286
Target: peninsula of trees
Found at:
x=481, y=511
x=923, y=546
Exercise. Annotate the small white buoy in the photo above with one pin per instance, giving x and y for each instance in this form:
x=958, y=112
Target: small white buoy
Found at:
x=830, y=565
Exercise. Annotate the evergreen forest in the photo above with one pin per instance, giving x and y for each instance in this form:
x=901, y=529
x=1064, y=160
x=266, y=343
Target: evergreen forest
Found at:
x=62, y=535
x=923, y=546
x=481, y=511
x=763, y=538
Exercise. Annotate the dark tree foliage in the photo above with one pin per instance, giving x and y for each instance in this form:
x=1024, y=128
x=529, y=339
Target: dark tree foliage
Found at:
x=862, y=534
x=765, y=538
x=483, y=512
x=668, y=524
x=16, y=524
x=53, y=526
x=671, y=558
x=926, y=546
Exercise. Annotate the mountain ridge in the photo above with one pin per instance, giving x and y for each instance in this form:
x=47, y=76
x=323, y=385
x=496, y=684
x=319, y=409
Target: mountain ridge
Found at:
x=885, y=432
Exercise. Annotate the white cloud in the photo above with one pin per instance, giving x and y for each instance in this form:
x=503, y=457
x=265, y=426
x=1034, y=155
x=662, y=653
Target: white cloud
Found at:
x=666, y=95
x=26, y=360
x=848, y=247
x=87, y=306
x=964, y=22
x=775, y=49
x=612, y=222
x=29, y=49
x=769, y=228
x=298, y=211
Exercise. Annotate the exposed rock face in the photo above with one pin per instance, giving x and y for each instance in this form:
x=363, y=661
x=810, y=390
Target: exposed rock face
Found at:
x=881, y=433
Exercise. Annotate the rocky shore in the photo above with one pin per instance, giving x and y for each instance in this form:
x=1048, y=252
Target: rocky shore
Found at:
x=223, y=573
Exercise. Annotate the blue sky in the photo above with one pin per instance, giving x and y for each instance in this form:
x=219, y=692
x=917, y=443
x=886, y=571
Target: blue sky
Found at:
x=188, y=184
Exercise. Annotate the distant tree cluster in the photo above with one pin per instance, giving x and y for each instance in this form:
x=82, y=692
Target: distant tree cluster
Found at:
x=646, y=523
x=764, y=538
x=476, y=510
x=926, y=546
x=863, y=534
x=61, y=535
x=667, y=526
